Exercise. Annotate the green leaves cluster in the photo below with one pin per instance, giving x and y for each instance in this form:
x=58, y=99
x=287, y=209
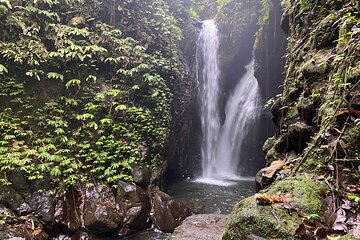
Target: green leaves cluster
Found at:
x=82, y=99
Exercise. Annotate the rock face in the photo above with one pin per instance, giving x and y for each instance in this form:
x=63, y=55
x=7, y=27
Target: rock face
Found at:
x=168, y=212
x=183, y=146
x=316, y=118
x=250, y=220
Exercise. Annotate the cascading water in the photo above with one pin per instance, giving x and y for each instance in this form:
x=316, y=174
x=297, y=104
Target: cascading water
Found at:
x=242, y=109
x=208, y=78
x=221, y=146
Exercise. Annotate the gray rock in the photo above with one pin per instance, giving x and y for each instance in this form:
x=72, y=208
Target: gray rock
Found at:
x=101, y=213
x=11, y=198
x=43, y=205
x=135, y=203
x=168, y=212
x=142, y=176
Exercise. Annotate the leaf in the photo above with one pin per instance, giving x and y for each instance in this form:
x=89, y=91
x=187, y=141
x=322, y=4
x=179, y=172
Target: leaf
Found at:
x=55, y=171
x=120, y=107
x=33, y=73
x=273, y=168
x=135, y=87
x=106, y=121
x=73, y=82
x=55, y=75
x=265, y=199
x=91, y=78
x=3, y=69
x=6, y=3
x=37, y=231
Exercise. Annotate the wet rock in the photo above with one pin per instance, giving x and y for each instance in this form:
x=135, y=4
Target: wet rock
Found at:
x=307, y=110
x=67, y=213
x=201, y=227
x=285, y=22
x=317, y=65
x=10, y=217
x=354, y=98
x=298, y=135
x=269, y=143
x=124, y=232
x=12, y=199
x=327, y=32
x=142, y=176
x=354, y=72
x=274, y=221
x=101, y=213
x=278, y=111
x=168, y=212
x=20, y=183
x=261, y=181
x=135, y=203
x=43, y=205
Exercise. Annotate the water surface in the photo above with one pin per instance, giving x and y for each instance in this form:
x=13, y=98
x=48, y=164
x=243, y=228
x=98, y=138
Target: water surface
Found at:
x=206, y=198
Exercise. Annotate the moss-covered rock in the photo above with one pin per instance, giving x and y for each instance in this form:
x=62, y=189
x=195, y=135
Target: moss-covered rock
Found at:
x=249, y=220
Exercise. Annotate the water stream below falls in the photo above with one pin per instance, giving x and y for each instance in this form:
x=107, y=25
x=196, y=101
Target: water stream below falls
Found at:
x=222, y=143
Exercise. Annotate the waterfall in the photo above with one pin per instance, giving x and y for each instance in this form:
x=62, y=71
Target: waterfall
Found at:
x=221, y=145
x=208, y=79
x=242, y=110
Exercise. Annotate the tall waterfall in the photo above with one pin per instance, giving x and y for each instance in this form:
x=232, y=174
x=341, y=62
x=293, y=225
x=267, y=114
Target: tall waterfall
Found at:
x=208, y=77
x=221, y=145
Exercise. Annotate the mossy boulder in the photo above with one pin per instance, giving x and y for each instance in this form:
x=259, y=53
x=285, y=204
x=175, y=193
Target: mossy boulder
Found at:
x=249, y=220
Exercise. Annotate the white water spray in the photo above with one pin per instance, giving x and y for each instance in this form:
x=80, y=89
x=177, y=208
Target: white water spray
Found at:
x=221, y=146
x=208, y=78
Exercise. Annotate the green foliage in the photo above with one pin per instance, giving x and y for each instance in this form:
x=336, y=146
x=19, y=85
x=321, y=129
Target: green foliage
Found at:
x=81, y=99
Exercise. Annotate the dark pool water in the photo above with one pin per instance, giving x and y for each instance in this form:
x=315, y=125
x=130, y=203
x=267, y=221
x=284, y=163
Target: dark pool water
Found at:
x=203, y=198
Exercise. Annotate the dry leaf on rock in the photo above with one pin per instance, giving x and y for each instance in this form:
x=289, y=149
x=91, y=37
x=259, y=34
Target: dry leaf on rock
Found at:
x=265, y=199
x=37, y=231
x=274, y=166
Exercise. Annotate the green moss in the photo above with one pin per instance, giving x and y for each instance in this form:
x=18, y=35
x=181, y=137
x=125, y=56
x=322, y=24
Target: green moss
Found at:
x=252, y=221
x=306, y=194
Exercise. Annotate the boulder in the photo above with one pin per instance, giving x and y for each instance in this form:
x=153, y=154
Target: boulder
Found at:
x=101, y=213
x=7, y=215
x=201, y=227
x=135, y=204
x=318, y=64
x=307, y=110
x=142, y=176
x=20, y=183
x=68, y=212
x=298, y=136
x=273, y=221
x=43, y=205
x=11, y=198
x=168, y=212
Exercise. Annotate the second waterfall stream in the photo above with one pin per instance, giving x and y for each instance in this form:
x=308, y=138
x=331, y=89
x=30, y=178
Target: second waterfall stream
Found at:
x=222, y=142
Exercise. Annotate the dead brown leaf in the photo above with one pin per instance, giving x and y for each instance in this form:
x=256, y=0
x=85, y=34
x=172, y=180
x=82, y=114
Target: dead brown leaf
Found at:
x=265, y=199
x=346, y=111
x=37, y=231
x=273, y=168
